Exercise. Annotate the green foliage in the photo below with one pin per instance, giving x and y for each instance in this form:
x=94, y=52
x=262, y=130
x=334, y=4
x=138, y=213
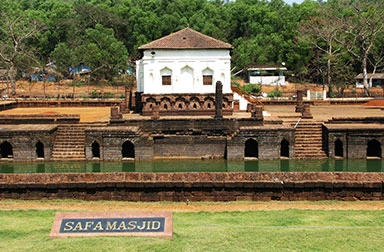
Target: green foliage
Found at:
x=94, y=94
x=254, y=89
x=235, y=83
x=342, y=78
x=108, y=95
x=105, y=34
x=275, y=93
x=336, y=33
x=76, y=84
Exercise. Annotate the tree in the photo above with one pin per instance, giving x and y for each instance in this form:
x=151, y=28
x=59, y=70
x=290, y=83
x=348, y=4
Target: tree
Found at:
x=322, y=31
x=362, y=27
x=342, y=76
x=63, y=57
x=101, y=51
x=376, y=59
x=16, y=28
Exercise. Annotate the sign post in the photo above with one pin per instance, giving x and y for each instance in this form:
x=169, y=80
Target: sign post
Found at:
x=83, y=224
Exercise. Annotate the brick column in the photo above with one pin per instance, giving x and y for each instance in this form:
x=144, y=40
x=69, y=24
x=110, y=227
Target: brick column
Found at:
x=257, y=112
x=138, y=103
x=123, y=108
x=299, y=103
x=219, y=100
x=307, y=112
x=115, y=113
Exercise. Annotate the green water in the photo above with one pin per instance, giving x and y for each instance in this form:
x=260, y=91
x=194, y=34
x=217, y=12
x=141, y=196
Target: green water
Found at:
x=354, y=165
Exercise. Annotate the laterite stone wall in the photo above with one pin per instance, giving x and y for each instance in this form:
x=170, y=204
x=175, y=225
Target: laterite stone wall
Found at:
x=193, y=186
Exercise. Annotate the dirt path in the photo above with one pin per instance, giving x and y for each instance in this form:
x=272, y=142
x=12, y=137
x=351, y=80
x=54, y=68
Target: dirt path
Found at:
x=87, y=114
x=107, y=206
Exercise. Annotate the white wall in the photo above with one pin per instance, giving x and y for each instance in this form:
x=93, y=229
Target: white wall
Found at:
x=243, y=103
x=187, y=68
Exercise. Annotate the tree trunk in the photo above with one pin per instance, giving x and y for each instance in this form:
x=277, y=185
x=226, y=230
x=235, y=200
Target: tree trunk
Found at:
x=365, y=77
x=12, y=77
x=329, y=70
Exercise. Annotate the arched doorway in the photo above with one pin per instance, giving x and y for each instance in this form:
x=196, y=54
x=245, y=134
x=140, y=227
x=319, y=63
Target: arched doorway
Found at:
x=95, y=149
x=374, y=148
x=128, y=150
x=39, y=149
x=251, y=149
x=6, y=150
x=339, y=149
x=284, y=148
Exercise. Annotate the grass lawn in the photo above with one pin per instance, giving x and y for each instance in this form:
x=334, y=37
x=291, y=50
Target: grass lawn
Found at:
x=263, y=230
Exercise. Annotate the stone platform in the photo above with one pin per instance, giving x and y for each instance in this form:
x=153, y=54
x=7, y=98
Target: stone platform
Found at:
x=144, y=138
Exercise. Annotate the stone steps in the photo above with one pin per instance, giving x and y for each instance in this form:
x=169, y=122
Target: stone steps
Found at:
x=69, y=143
x=309, y=141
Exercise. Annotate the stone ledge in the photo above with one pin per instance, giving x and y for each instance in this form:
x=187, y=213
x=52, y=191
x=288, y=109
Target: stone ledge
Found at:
x=194, y=186
x=375, y=178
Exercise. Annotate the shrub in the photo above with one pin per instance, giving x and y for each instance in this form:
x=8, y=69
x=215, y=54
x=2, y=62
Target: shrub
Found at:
x=108, y=95
x=252, y=89
x=275, y=93
x=76, y=84
x=95, y=94
x=235, y=83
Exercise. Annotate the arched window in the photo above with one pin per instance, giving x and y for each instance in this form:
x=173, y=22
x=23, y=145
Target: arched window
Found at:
x=251, y=149
x=374, y=148
x=166, y=76
x=207, y=76
x=165, y=103
x=150, y=102
x=180, y=103
x=339, y=150
x=128, y=150
x=39, y=149
x=209, y=103
x=95, y=149
x=284, y=148
x=194, y=103
x=6, y=150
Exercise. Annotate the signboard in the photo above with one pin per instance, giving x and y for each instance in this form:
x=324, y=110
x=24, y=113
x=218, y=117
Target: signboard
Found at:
x=81, y=224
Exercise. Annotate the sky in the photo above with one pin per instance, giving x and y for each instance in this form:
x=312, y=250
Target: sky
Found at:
x=293, y=1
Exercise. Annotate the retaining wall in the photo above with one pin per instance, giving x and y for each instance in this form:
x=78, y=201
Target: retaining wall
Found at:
x=193, y=186
x=39, y=119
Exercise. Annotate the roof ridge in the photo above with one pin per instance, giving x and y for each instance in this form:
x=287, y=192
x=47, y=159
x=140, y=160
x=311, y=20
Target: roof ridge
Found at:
x=186, y=38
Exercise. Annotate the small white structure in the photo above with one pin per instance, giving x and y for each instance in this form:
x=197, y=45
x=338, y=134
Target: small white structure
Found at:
x=176, y=70
x=184, y=62
x=267, y=75
x=374, y=80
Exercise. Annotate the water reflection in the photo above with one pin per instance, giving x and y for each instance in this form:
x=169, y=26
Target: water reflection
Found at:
x=326, y=165
x=128, y=167
x=96, y=167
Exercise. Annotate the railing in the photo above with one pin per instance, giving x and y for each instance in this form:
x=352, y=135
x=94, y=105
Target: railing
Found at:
x=297, y=123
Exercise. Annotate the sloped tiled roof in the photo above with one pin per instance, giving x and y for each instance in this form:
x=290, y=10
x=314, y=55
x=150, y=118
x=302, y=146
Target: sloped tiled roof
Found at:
x=375, y=76
x=186, y=38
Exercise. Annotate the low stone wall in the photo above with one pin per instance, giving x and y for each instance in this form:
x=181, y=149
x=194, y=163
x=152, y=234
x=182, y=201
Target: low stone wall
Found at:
x=7, y=105
x=40, y=119
x=67, y=103
x=193, y=186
